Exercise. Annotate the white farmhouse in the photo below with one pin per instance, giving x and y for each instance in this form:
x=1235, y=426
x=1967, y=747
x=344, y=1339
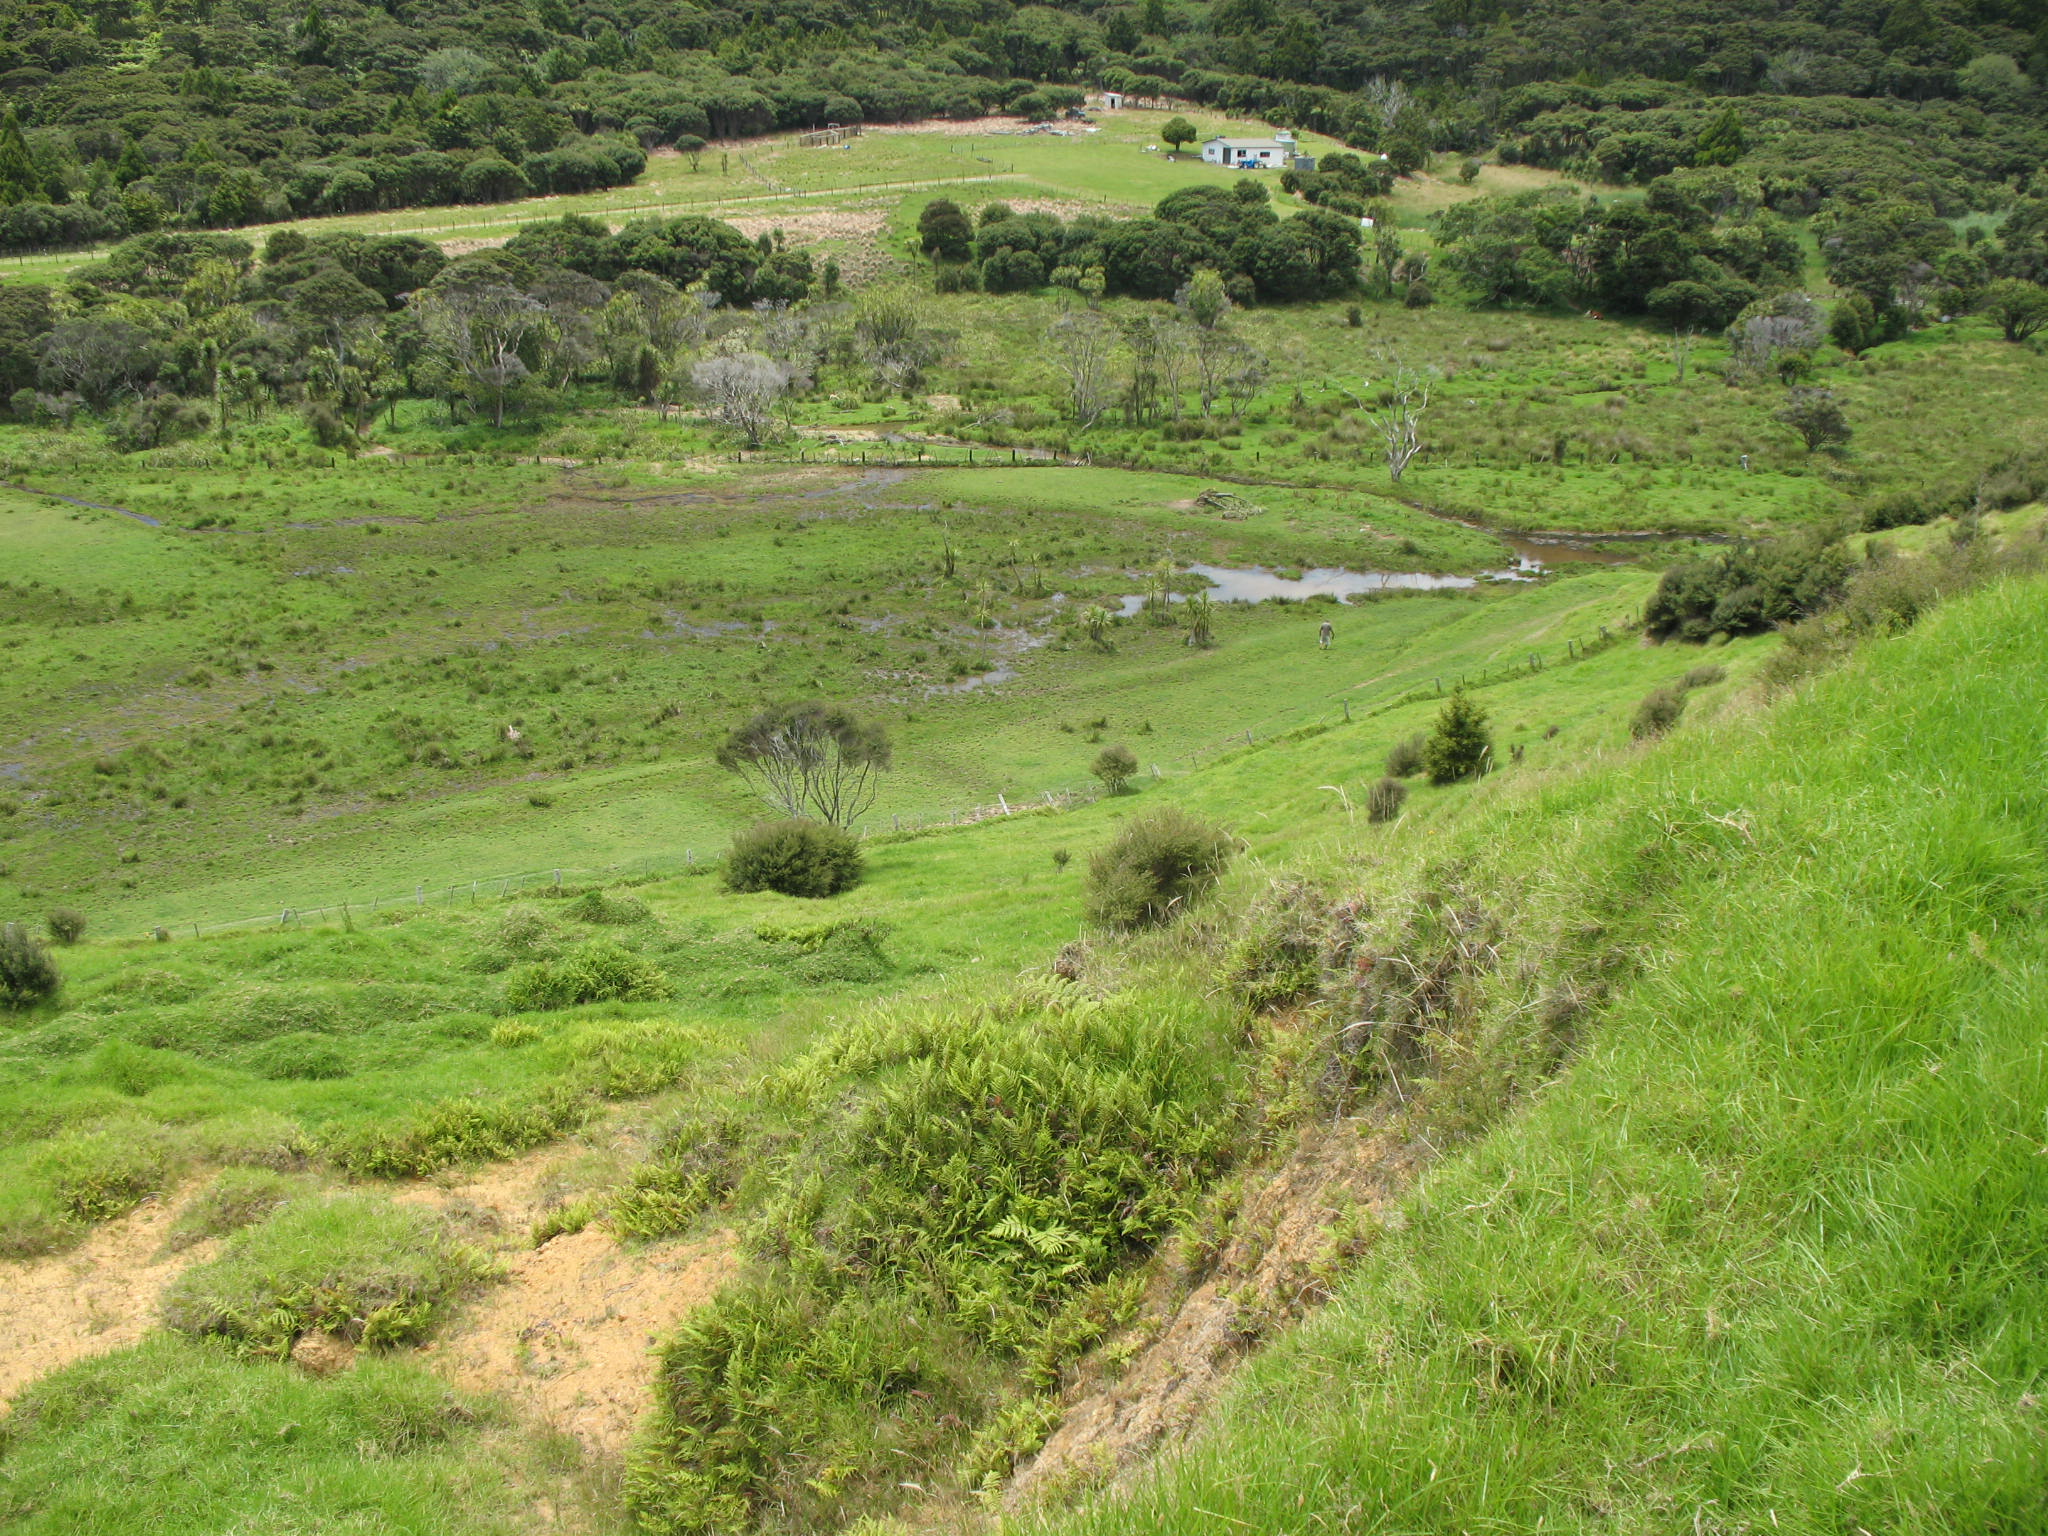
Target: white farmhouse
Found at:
x=1270, y=154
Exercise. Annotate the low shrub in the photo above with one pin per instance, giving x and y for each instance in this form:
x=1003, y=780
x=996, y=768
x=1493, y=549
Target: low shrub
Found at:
x=357, y=1266
x=1278, y=957
x=1404, y=758
x=696, y=1164
x=66, y=924
x=794, y=857
x=1384, y=800
x=1154, y=868
x=27, y=973
x=958, y=1179
x=616, y=1061
x=1658, y=712
x=598, y=972
x=1705, y=675
x=300, y=1057
x=1116, y=766
x=526, y=934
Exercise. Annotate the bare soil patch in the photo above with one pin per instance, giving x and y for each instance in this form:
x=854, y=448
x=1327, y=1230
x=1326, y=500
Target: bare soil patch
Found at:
x=566, y=1337
x=100, y=1296
x=1291, y=1235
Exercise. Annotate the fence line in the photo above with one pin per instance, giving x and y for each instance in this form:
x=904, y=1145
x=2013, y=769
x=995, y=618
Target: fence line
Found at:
x=1270, y=728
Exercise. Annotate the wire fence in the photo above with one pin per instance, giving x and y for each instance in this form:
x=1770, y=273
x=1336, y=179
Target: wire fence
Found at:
x=1294, y=722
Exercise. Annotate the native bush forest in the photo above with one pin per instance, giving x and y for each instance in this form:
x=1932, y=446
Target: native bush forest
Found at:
x=1032, y=770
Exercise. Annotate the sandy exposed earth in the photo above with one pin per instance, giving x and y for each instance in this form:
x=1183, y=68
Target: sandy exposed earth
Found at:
x=566, y=1337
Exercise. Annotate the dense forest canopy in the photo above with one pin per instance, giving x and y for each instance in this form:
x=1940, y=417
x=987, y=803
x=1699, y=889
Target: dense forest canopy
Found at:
x=123, y=117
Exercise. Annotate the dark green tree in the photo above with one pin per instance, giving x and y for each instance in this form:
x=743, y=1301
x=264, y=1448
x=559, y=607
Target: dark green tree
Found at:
x=1460, y=747
x=1722, y=141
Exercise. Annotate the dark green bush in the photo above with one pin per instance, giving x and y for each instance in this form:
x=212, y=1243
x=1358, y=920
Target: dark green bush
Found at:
x=355, y=1265
x=599, y=972
x=67, y=926
x=1749, y=588
x=795, y=857
x=1404, y=758
x=1658, y=712
x=27, y=973
x=1384, y=800
x=1154, y=868
x=1460, y=747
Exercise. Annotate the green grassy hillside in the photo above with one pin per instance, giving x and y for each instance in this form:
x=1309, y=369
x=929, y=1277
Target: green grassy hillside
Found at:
x=1770, y=1254
x=1723, y=1050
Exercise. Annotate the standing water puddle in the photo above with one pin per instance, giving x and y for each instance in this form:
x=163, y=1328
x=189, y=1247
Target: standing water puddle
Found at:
x=1256, y=584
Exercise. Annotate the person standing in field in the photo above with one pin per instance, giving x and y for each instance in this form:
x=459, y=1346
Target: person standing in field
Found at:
x=1326, y=634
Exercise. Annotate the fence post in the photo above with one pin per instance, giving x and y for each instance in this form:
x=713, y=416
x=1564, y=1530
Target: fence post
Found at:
x=1247, y=738
x=1347, y=710
x=558, y=878
x=419, y=895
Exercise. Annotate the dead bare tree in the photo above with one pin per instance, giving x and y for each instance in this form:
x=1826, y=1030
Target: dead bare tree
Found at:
x=1083, y=342
x=1398, y=417
x=816, y=760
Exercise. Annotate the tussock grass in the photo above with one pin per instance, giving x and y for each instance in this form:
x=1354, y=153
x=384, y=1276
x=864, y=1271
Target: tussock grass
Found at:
x=357, y=1266
x=179, y=1437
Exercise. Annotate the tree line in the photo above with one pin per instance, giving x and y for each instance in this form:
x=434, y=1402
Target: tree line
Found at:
x=122, y=117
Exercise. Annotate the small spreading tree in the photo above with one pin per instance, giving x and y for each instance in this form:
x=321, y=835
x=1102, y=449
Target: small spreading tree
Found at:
x=1816, y=415
x=1116, y=766
x=2019, y=307
x=816, y=760
x=1460, y=747
x=27, y=973
x=67, y=924
x=1179, y=131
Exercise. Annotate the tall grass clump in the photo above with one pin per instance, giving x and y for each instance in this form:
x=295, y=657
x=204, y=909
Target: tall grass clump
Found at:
x=1384, y=800
x=1155, y=867
x=356, y=1266
x=962, y=1185
x=1770, y=1254
x=598, y=972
